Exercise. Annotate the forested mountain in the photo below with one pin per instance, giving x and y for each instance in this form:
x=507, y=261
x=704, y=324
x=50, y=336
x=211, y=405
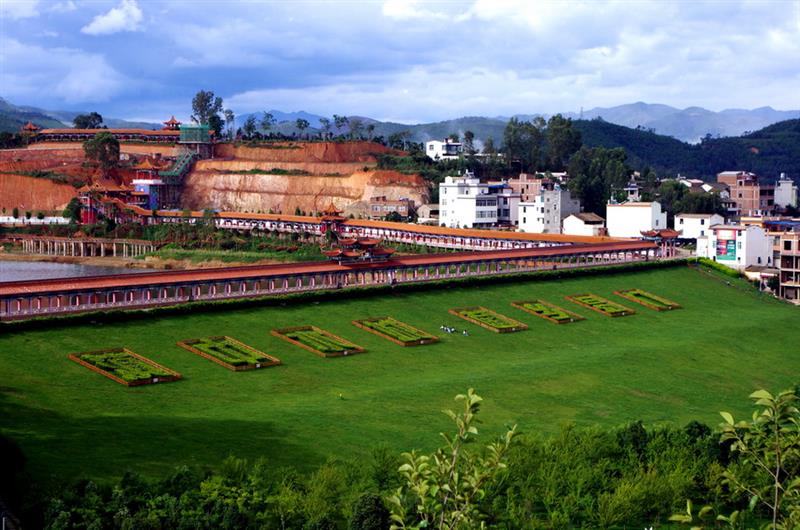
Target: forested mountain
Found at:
x=767, y=152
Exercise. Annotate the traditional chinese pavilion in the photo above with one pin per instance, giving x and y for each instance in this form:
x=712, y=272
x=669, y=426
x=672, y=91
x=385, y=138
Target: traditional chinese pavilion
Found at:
x=665, y=237
x=359, y=250
x=172, y=124
x=331, y=218
x=30, y=128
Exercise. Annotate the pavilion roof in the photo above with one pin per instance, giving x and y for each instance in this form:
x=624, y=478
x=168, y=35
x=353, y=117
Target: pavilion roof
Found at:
x=148, y=164
x=172, y=121
x=30, y=127
x=664, y=233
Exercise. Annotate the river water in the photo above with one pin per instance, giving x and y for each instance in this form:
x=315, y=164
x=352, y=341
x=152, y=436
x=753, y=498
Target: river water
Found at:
x=12, y=271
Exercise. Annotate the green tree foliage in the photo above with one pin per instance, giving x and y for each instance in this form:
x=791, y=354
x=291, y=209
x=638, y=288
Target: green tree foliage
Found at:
x=675, y=198
x=103, y=149
x=230, y=122
x=768, y=446
x=594, y=173
x=249, y=126
x=469, y=143
x=206, y=110
x=444, y=489
x=523, y=142
x=369, y=513
x=15, y=213
x=356, y=126
x=562, y=141
x=92, y=120
x=267, y=121
x=340, y=122
x=301, y=125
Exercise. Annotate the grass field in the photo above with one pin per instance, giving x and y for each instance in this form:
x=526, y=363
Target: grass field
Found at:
x=657, y=367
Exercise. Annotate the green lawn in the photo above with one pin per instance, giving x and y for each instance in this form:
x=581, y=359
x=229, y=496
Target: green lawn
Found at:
x=658, y=367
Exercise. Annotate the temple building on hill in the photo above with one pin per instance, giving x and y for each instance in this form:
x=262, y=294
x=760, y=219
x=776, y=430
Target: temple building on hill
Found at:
x=195, y=138
x=359, y=250
x=148, y=186
x=172, y=124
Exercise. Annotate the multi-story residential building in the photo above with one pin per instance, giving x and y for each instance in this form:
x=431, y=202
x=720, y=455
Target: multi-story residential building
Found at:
x=380, y=207
x=750, y=196
x=528, y=185
x=447, y=149
x=630, y=219
x=507, y=202
x=584, y=224
x=737, y=246
x=789, y=266
x=465, y=201
x=694, y=225
x=547, y=211
x=785, y=192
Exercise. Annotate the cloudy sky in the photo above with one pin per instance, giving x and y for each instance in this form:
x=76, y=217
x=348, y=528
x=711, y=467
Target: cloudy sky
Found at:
x=399, y=60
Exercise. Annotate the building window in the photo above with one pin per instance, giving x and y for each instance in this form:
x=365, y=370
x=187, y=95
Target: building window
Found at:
x=656, y=222
x=787, y=245
x=681, y=221
x=739, y=245
x=702, y=232
x=702, y=221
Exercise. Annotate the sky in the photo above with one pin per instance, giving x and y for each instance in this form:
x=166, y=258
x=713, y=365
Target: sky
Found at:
x=406, y=61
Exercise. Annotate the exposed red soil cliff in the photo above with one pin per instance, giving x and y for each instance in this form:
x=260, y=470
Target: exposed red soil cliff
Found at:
x=33, y=194
x=342, y=173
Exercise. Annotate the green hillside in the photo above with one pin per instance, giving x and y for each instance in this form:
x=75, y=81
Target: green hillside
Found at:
x=767, y=152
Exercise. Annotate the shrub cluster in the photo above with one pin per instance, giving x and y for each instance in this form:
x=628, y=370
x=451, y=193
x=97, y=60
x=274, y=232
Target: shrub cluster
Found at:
x=400, y=331
x=123, y=365
x=601, y=305
x=489, y=319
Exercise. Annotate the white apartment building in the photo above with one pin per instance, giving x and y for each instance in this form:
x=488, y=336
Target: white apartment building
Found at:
x=785, y=192
x=584, y=224
x=447, y=149
x=466, y=202
x=546, y=212
x=630, y=219
x=694, y=225
x=737, y=246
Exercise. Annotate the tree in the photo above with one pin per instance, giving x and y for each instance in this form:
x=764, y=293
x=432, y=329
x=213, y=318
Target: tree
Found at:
x=28, y=215
x=469, y=143
x=488, y=146
x=398, y=140
x=15, y=213
x=302, y=125
x=205, y=106
x=369, y=513
x=370, y=131
x=339, y=122
x=523, y=142
x=325, y=125
x=267, y=121
x=442, y=490
x=87, y=121
x=356, y=126
x=594, y=173
x=40, y=215
x=562, y=141
x=103, y=149
x=230, y=122
x=249, y=126
x=769, y=451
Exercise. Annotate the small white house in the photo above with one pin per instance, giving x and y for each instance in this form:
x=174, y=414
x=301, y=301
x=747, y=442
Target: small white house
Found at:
x=507, y=203
x=630, y=219
x=694, y=225
x=584, y=224
x=447, y=149
x=548, y=209
x=737, y=246
x=465, y=201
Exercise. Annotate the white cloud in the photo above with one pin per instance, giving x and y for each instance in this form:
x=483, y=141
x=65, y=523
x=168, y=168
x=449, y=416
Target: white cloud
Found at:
x=125, y=17
x=17, y=9
x=63, y=7
x=410, y=9
x=72, y=76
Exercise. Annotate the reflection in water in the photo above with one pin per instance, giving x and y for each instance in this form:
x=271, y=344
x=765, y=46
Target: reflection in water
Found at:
x=12, y=271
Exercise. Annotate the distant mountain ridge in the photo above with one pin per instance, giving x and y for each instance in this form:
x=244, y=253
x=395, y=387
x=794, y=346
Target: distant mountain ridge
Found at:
x=690, y=124
x=12, y=117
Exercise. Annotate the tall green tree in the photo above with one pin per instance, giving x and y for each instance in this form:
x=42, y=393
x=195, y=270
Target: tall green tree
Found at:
x=594, y=173
x=249, y=126
x=230, y=122
x=267, y=121
x=340, y=122
x=103, y=149
x=562, y=141
x=92, y=120
x=523, y=143
x=325, y=126
x=301, y=125
x=73, y=210
x=469, y=143
x=204, y=105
